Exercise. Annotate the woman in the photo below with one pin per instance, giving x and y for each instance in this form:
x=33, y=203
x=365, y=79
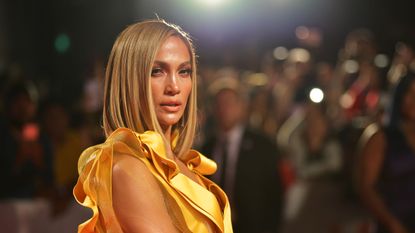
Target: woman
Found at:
x=145, y=178
x=387, y=166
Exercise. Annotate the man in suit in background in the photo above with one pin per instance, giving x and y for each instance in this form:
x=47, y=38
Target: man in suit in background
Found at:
x=247, y=164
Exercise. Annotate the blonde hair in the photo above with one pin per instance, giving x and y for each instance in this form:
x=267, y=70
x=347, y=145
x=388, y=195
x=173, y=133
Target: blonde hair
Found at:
x=128, y=99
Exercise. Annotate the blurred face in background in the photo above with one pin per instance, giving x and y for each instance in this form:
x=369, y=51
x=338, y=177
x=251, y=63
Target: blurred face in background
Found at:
x=21, y=109
x=55, y=121
x=228, y=109
x=408, y=103
x=171, y=81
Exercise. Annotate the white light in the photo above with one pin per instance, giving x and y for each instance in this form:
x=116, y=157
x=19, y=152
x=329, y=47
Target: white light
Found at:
x=381, y=60
x=351, y=66
x=211, y=2
x=299, y=55
x=280, y=53
x=316, y=95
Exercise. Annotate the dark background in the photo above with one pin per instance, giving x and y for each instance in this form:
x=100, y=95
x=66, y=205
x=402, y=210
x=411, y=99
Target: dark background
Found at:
x=28, y=30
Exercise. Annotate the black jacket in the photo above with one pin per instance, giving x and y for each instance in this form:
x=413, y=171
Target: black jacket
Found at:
x=258, y=189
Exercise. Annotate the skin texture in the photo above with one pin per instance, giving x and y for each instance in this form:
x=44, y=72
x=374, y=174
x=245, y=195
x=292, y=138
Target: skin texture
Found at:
x=137, y=198
x=171, y=82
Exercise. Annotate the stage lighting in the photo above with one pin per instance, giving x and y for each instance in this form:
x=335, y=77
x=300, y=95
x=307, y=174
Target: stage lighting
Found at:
x=212, y=2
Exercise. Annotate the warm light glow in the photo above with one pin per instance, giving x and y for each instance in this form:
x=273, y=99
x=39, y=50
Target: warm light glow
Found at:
x=280, y=53
x=316, y=95
x=257, y=79
x=347, y=100
x=299, y=55
x=30, y=132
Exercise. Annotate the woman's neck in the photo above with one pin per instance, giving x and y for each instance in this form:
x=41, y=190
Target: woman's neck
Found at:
x=167, y=133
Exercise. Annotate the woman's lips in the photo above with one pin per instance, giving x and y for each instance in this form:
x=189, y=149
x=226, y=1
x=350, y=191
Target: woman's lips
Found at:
x=171, y=106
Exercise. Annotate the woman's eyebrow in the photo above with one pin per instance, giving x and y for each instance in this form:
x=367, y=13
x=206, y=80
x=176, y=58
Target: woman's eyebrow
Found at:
x=185, y=63
x=165, y=64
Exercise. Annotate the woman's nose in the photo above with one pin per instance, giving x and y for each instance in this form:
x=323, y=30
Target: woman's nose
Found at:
x=172, y=85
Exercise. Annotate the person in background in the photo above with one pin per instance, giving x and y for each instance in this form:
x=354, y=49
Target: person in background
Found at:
x=315, y=200
x=145, y=177
x=66, y=145
x=386, y=171
x=247, y=162
x=26, y=169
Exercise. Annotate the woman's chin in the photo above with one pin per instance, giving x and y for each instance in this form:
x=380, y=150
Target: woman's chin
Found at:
x=166, y=124
x=169, y=119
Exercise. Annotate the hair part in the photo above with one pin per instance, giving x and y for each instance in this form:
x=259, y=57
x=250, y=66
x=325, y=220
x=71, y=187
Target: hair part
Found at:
x=128, y=100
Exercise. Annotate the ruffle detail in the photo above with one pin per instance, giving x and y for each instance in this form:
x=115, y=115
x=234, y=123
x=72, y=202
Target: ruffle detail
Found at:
x=149, y=147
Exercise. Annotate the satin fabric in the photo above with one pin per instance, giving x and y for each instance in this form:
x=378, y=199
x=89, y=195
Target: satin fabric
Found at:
x=193, y=207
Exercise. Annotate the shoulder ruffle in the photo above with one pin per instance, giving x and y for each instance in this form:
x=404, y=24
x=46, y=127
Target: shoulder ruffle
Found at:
x=149, y=147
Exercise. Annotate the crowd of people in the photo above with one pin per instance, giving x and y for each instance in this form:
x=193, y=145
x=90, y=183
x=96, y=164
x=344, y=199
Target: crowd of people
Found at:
x=290, y=160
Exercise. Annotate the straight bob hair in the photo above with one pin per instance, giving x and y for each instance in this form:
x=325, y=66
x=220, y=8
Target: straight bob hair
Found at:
x=128, y=99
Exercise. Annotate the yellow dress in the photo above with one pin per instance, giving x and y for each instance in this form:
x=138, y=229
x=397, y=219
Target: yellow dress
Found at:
x=192, y=207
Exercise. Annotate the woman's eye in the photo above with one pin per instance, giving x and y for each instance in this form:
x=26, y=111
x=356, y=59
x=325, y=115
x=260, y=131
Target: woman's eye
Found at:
x=186, y=72
x=156, y=71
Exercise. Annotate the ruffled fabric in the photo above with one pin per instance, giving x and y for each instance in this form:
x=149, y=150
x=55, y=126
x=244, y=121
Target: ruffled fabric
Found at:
x=195, y=203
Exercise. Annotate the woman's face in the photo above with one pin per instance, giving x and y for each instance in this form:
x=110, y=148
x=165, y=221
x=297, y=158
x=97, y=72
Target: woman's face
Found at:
x=171, y=81
x=408, y=103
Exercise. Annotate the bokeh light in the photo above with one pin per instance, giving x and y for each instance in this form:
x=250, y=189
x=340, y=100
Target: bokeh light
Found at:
x=280, y=53
x=316, y=95
x=299, y=55
x=257, y=79
x=351, y=66
x=62, y=43
x=347, y=100
x=381, y=61
x=302, y=32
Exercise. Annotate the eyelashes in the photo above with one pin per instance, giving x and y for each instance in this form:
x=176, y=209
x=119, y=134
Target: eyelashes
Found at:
x=155, y=72
x=158, y=71
x=187, y=71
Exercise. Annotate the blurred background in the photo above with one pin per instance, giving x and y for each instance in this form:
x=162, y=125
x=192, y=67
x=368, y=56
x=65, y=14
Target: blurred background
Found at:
x=316, y=74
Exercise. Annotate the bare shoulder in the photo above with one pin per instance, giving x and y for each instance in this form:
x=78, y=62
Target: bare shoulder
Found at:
x=121, y=162
x=372, y=152
x=377, y=139
x=373, y=135
x=130, y=170
x=138, y=200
